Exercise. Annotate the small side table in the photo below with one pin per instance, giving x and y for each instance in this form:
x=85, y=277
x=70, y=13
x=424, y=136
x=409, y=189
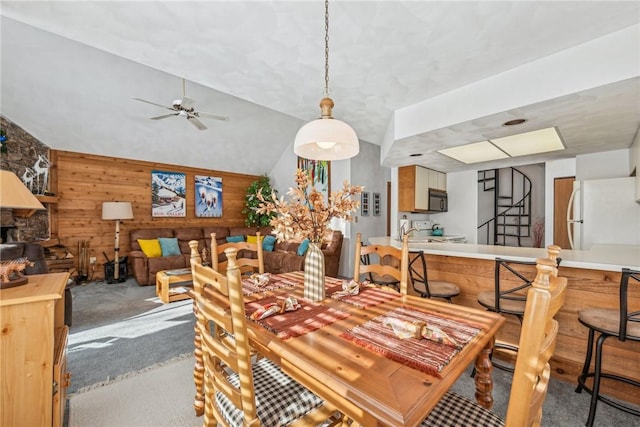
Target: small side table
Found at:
x=173, y=285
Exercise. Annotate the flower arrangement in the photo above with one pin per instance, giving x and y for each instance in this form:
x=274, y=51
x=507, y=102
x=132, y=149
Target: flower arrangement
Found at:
x=307, y=215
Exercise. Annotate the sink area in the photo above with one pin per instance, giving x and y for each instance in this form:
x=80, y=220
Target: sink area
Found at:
x=447, y=238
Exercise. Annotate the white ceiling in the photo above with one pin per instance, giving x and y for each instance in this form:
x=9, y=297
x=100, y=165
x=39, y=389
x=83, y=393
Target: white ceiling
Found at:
x=411, y=76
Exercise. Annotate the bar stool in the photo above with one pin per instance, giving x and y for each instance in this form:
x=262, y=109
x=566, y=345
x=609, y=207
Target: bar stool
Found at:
x=620, y=323
x=426, y=288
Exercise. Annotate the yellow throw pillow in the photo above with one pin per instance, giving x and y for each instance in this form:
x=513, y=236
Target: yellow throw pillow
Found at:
x=151, y=247
x=254, y=239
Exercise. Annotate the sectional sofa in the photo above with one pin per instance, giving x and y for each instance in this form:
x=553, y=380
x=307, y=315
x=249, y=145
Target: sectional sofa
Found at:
x=283, y=258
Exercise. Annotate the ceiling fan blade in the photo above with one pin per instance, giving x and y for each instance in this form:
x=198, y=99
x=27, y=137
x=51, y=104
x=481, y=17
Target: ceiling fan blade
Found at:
x=210, y=115
x=164, y=116
x=187, y=103
x=197, y=123
x=153, y=103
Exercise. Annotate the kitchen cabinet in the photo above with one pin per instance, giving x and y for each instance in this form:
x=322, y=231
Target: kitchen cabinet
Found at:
x=33, y=352
x=413, y=187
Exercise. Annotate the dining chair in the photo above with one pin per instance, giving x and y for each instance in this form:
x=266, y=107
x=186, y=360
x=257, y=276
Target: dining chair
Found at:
x=246, y=264
x=392, y=264
x=622, y=323
x=236, y=391
x=423, y=286
x=532, y=371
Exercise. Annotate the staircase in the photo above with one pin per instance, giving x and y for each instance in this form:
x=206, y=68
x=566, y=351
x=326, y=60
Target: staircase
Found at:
x=511, y=221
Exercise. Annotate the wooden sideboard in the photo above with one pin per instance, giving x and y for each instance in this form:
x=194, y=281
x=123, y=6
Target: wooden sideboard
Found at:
x=33, y=352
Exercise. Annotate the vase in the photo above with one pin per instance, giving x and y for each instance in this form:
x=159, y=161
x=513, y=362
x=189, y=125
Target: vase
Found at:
x=314, y=273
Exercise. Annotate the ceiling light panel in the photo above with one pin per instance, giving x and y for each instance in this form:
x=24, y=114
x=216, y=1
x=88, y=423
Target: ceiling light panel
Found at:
x=474, y=153
x=539, y=141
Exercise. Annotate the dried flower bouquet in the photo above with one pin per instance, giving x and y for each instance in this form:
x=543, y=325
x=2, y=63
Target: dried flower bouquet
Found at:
x=306, y=214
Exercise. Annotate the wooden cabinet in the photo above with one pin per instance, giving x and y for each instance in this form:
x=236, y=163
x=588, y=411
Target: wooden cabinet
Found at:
x=413, y=187
x=33, y=376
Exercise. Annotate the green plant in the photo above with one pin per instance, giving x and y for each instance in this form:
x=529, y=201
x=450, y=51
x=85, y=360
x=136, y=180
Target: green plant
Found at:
x=252, y=203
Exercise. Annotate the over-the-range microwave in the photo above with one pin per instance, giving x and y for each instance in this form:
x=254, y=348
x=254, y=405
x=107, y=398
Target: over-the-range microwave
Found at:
x=437, y=200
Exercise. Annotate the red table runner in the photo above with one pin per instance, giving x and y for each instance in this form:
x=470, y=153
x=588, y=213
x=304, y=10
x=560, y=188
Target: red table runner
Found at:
x=307, y=318
x=419, y=353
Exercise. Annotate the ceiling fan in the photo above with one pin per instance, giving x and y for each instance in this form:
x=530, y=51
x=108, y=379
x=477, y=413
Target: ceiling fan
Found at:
x=184, y=108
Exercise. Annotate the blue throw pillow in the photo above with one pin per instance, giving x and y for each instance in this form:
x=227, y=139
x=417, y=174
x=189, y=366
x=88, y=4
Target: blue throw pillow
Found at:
x=169, y=246
x=268, y=243
x=302, y=249
x=235, y=239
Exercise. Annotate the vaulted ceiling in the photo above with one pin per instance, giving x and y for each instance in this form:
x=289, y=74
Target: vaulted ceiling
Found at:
x=412, y=77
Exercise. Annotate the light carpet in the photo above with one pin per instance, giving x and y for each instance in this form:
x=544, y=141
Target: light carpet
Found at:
x=154, y=398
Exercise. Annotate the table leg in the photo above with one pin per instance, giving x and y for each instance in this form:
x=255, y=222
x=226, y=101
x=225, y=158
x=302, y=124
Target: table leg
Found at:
x=484, y=377
x=198, y=369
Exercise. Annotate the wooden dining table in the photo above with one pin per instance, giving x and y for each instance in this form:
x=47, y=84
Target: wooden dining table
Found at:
x=368, y=387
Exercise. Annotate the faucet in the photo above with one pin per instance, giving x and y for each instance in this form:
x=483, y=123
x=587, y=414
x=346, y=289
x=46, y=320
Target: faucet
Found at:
x=404, y=232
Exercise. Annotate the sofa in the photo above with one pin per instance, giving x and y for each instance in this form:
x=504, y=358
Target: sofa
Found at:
x=282, y=259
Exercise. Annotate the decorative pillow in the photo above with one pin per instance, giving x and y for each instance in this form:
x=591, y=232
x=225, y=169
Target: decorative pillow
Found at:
x=302, y=249
x=150, y=247
x=235, y=239
x=268, y=243
x=169, y=246
x=254, y=239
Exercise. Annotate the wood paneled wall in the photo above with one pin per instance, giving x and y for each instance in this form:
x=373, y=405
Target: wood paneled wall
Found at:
x=84, y=181
x=585, y=288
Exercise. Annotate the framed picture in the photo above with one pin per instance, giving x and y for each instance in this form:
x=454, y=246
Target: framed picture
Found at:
x=168, y=190
x=208, y=196
x=376, y=204
x=319, y=172
x=364, y=204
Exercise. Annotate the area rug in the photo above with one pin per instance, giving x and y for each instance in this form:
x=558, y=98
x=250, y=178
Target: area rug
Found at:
x=157, y=397
x=123, y=328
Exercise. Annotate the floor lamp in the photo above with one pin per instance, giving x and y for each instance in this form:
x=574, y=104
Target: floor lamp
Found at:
x=117, y=211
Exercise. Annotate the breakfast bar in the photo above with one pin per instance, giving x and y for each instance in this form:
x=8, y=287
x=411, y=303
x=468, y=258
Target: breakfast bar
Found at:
x=593, y=279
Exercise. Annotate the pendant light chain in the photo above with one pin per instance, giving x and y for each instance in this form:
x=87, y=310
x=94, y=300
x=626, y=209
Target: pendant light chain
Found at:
x=326, y=48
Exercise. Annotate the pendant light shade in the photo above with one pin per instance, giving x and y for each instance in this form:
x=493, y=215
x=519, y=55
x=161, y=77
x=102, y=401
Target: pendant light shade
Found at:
x=326, y=138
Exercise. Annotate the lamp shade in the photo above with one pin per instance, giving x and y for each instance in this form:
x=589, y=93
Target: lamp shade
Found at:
x=15, y=195
x=326, y=139
x=117, y=210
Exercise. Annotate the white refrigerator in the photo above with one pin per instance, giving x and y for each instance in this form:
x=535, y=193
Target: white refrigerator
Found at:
x=603, y=211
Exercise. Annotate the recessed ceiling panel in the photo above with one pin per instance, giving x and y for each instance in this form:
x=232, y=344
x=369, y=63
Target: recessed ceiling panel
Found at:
x=538, y=141
x=474, y=153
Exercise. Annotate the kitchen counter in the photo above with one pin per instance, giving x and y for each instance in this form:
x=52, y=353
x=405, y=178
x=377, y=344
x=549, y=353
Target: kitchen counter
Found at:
x=600, y=257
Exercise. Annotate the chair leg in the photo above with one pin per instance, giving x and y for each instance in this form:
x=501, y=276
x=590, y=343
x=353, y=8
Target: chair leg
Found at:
x=587, y=362
x=596, y=380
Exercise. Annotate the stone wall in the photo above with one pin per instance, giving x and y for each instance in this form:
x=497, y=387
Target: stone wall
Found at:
x=22, y=153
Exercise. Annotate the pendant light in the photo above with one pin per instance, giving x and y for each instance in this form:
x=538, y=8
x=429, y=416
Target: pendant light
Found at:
x=326, y=138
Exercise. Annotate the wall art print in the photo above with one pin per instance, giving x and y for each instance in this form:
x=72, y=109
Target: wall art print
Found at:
x=319, y=172
x=168, y=192
x=208, y=196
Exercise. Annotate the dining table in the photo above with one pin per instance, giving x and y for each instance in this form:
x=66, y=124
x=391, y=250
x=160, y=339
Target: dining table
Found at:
x=343, y=347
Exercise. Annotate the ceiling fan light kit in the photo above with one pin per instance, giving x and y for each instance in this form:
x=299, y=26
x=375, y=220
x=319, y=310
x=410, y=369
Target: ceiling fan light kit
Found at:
x=326, y=138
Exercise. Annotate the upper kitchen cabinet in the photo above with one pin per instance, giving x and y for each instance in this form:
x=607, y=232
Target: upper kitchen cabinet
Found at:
x=413, y=187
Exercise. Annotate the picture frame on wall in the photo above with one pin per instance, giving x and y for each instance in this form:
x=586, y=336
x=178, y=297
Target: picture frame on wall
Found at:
x=319, y=172
x=168, y=194
x=208, y=196
x=376, y=204
x=364, y=203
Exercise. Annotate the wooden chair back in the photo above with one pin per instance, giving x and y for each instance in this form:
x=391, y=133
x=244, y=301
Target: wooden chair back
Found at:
x=537, y=344
x=396, y=267
x=246, y=265
x=221, y=324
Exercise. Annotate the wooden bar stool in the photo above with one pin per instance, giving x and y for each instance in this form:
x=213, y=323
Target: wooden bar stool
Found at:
x=622, y=324
x=426, y=288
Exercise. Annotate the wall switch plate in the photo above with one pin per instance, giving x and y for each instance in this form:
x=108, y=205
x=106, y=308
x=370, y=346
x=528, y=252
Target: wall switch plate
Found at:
x=92, y=260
